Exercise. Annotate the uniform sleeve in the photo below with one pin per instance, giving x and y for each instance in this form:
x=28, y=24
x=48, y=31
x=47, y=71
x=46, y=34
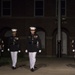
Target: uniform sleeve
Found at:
x=73, y=44
x=9, y=42
x=2, y=44
x=18, y=44
x=27, y=44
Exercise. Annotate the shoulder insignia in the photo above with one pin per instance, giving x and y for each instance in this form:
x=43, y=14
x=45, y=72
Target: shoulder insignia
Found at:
x=17, y=38
x=36, y=36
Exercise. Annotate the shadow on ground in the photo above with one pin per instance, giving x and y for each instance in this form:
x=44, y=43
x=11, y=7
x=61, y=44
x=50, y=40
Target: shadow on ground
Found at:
x=71, y=65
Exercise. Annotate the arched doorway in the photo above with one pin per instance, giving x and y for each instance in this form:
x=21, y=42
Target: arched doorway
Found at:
x=42, y=37
x=5, y=33
x=42, y=34
x=8, y=33
x=63, y=44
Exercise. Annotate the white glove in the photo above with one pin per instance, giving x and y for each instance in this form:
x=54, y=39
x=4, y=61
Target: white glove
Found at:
x=19, y=51
x=72, y=41
x=26, y=50
x=8, y=49
x=2, y=51
x=73, y=50
x=39, y=51
x=17, y=38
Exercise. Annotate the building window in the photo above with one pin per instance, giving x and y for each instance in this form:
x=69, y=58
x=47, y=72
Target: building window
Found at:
x=5, y=8
x=63, y=8
x=38, y=8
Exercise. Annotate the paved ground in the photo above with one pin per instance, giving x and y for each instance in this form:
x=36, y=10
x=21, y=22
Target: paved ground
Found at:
x=46, y=66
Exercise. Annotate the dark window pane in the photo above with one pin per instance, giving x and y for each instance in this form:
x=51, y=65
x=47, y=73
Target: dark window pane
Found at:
x=39, y=4
x=62, y=7
x=6, y=11
x=62, y=4
x=62, y=11
x=6, y=4
x=39, y=12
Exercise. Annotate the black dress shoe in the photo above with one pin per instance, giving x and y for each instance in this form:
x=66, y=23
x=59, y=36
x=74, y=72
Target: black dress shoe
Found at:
x=13, y=68
x=35, y=67
x=32, y=70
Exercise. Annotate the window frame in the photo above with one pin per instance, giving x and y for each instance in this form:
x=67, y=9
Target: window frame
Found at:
x=2, y=15
x=63, y=8
x=35, y=8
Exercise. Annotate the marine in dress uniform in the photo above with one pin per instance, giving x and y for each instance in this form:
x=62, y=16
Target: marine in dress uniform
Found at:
x=14, y=47
x=33, y=46
x=1, y=46
x=73, y=48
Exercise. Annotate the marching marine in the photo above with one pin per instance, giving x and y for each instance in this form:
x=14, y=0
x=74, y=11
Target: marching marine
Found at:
x=1, y=46
x=73, y=48
x=13, y=45
x=33, y=46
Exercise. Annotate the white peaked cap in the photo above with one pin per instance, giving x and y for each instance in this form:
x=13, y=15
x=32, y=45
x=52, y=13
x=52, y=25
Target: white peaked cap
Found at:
x=14, y=30
x=32, y=28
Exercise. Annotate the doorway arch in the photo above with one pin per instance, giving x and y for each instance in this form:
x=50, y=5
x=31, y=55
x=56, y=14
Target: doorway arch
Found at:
x=42, y=34
x=64, y=42
x=5, y=33
x=42, y=37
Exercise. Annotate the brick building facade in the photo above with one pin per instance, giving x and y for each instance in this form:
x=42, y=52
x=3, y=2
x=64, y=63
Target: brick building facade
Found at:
x=22, y=14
